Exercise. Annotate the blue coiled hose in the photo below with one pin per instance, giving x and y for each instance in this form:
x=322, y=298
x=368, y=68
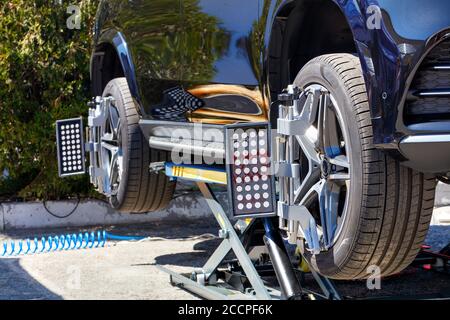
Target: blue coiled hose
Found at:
x=62, y=242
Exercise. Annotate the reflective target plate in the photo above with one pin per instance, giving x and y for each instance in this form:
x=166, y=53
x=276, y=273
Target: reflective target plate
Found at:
x=250, y=178
x=70, y=147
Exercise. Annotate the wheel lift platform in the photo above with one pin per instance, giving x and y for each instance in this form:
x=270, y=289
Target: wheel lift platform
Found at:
x=242, y=278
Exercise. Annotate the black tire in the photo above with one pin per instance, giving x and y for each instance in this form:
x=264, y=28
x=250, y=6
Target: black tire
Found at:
x=389, y=206
x=139, y=190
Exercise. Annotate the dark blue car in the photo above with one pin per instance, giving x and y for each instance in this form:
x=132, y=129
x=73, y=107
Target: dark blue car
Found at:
x=373, y=83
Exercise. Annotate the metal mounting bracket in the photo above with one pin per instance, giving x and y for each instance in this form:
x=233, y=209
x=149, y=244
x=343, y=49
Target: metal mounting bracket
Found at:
x=98, y=113
x=307, y=225
x=292, y=127
x=288, y=170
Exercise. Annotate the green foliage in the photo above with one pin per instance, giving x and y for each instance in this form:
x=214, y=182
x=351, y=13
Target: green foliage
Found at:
x=44, y=76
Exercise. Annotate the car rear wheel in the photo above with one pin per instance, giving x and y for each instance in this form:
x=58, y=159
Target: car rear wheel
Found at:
x=371, y=210
x=126, y=157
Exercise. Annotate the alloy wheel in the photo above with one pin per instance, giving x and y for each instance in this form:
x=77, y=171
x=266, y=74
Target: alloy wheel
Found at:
x=111, y=152
x=324, y=149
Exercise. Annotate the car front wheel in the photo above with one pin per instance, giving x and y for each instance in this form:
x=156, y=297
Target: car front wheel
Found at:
x=371, y=211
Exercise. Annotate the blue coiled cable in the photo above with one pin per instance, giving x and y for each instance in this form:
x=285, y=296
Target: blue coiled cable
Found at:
x=62, y=242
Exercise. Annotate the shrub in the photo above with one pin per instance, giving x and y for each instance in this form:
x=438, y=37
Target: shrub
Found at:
x=44, y=76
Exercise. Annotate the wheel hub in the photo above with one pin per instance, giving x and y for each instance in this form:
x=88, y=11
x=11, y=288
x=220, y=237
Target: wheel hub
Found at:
x=325, y=167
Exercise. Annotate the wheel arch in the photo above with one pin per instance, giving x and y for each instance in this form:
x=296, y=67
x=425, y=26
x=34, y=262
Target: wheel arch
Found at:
x=292, y=43
x=338, y=27
x=112, y=59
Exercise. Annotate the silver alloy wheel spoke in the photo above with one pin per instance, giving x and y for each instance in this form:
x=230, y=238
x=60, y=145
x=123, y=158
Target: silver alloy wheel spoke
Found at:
x=329, y=205
x=333, y=152
x=323, y=102
x=330, y=133
x=108, y=143
x=312, y=105
x=314, y=169
x=309, y=113
x=327, y=193
x=340, y=161
x=114, y=119
x=329, y=165
x=114, y=172
x=112, y=150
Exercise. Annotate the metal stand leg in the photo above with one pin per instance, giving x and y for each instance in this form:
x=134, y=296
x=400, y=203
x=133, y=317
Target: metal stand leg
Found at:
x=290, y=286
x=231, y=241
x=326, y=286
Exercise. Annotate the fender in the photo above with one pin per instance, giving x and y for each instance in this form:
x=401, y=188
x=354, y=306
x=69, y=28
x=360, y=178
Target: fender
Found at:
x=390, y=50
x=354, y=13
x=117, y=40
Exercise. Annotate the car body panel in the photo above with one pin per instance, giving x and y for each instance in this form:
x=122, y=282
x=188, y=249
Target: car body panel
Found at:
x=391, y=54
x=152, y=30
x=217, y=51
x=116, y=39
x=221, y=61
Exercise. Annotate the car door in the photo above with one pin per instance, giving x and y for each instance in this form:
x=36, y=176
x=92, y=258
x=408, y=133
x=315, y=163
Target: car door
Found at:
x=153, y=32
x=221, y=60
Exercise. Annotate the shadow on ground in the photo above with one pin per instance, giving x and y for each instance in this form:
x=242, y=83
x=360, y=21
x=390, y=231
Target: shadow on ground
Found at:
x=196, y=259
x=17, y=284
x=412, y=283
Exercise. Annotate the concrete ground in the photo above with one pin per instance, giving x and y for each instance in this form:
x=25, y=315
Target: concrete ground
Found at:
x=127, y=270
x=121, y=270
